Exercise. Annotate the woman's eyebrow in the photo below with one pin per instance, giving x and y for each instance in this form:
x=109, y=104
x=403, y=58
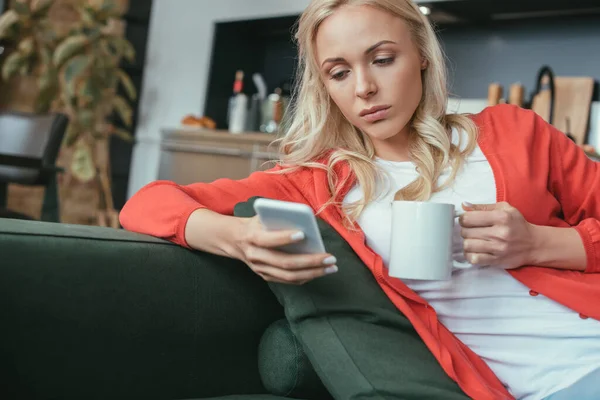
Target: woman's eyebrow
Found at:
x=368, y=51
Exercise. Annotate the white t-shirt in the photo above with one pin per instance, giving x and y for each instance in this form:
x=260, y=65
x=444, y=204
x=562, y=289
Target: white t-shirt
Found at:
x=534, y=345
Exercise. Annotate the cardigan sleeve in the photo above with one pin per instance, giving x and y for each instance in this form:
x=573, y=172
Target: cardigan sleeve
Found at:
x=162, y=208
x=576, y=184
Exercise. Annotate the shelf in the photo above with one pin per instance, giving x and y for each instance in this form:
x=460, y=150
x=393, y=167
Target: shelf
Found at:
x=483, y=11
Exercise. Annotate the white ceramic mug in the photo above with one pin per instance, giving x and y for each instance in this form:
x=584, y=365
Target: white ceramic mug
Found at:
x=421, y=242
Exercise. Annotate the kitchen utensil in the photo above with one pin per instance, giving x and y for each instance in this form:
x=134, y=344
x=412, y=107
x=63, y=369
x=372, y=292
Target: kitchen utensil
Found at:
x=516, y=94
x=495, y=92
x=261, y=86
x=567, y=130
x=542, y=101
x=572, y=106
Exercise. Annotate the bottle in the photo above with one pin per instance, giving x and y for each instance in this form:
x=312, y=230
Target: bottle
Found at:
x=276, y=115
x=238, y=104
x=238, y=85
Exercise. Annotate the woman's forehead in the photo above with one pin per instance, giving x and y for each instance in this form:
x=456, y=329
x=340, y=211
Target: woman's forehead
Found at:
x=353, y=29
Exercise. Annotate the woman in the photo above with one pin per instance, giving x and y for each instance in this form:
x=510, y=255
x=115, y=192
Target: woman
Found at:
x=521, y=312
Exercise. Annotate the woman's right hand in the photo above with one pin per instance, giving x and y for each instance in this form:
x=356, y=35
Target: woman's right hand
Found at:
x=257, y=247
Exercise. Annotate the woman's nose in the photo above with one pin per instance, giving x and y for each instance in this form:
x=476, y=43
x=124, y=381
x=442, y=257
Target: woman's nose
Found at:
x=365, y=86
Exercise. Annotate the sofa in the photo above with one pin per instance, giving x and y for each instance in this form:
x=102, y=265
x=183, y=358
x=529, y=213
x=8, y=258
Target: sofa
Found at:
x=98, y=313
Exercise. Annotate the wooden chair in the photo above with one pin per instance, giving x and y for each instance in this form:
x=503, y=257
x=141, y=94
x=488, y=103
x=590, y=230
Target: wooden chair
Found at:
x=29, y=146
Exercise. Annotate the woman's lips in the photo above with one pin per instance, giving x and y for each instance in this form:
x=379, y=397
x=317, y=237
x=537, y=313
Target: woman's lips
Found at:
x=376, y=115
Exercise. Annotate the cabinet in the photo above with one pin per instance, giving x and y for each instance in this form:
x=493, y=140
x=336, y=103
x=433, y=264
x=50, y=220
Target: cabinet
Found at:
x=198, y=155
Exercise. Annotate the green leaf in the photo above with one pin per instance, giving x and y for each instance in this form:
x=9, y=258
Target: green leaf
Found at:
x=71, y=135
x=48, y=86
x=40, y=7
x=69, y=47
x=123, y=48
x=47, y=79
x=94, y=34
x=87, y=119
x=45, y=99
x=25, y=68
x=76, y=66
x=82, y=163
x=7, y=21
x=127, y=84
x=73, y=71
x=66, y=99
x=87, y=16
x=123, y=134
x=109, y=10
x=111, y=80
x=26, y=46
x=123, y=109
x=13, y=64
x=89, y=92
x=21, y=8
x=105, y=48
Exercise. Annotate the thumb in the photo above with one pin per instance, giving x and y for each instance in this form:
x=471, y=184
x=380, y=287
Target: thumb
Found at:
x=478, y=207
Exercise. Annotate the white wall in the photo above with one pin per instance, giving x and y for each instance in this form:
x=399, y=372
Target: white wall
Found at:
x=177, y=67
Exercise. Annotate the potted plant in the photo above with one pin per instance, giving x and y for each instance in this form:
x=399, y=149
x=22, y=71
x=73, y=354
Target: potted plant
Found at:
x=72, y=50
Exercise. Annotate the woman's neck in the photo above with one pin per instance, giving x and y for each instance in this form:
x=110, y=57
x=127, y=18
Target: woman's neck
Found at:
x=395, y=148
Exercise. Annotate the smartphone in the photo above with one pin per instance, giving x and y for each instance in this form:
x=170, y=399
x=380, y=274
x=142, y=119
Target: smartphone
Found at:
x=284, y=215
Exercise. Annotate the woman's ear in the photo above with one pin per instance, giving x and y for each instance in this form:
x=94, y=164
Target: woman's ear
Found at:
x=424, y=64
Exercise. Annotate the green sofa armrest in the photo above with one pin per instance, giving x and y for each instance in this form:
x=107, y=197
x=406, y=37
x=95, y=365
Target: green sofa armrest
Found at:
x=98, y=313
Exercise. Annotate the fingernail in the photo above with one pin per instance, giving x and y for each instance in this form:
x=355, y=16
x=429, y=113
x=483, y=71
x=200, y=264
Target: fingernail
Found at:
x=330, y=260
x=297, y=236
x=331, y=270
x=466, y=203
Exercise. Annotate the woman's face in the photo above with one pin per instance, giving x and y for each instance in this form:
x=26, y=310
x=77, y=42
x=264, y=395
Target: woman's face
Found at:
x=372, y=71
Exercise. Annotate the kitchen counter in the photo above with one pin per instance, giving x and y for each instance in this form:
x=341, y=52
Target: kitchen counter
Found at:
x=193, y=134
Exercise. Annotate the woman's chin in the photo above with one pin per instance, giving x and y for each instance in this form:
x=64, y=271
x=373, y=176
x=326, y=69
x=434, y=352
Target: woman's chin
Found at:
x=381, y=131
x=386, y=129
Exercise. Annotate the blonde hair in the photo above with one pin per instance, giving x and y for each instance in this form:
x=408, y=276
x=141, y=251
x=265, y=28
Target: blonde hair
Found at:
x=317, y=129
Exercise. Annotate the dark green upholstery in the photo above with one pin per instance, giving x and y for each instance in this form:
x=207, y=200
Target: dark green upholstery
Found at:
x=250, y=397
x=360, y=345
x=95, y=313
x=284, y=368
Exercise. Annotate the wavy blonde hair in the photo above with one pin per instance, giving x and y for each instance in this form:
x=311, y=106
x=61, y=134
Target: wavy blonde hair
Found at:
x=317, y=129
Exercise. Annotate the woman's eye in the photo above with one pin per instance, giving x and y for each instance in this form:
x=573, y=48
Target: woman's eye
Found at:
x=384, y=61
x=339, y=75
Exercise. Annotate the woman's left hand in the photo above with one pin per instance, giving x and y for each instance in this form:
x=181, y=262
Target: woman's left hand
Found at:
x=496, y=234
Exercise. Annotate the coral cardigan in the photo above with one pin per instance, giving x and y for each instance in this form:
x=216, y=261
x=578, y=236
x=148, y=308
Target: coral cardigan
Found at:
x=537, y=169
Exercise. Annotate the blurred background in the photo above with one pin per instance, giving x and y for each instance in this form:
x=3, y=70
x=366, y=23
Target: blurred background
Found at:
x=195, y=90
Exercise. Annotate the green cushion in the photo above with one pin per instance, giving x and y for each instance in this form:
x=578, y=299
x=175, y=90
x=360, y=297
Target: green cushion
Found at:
x=360, y=345
x=284, y=367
